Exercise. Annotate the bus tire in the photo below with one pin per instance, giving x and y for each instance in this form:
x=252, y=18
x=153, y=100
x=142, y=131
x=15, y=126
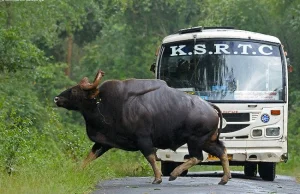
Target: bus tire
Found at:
x=267, y=170
x=250, y=169
x=167, y=167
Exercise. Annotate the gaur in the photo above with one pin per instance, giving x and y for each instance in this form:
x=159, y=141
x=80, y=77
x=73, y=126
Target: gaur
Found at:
x=145, y=115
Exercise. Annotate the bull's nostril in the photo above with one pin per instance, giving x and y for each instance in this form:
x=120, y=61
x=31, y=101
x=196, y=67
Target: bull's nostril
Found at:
x=56, y=99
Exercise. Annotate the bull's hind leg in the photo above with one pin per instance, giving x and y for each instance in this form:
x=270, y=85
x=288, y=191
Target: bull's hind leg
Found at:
x=217, y=149
x=183, y=167
x=195, y=151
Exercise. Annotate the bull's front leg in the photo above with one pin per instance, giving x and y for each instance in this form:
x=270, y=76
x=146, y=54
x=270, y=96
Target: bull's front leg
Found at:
x=145, y=145
x=97, y=151
x=157, y=173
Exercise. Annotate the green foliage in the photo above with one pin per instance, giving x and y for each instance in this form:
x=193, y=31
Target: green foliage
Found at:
x=18, y=53
x=50, y=80
x=41, y=143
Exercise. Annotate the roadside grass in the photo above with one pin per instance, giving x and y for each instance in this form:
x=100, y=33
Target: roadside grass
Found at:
x=291, y=168
x=65, y=176
x=59, y=179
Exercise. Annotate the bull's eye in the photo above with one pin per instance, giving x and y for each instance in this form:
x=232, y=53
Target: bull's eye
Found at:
x=77, y=93
x=74, y=92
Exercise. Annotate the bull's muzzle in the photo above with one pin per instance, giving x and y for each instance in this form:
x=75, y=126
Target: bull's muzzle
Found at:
x=59, y=101
x=56, y=99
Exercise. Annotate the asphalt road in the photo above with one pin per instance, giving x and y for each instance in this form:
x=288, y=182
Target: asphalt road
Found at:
x=199, y=183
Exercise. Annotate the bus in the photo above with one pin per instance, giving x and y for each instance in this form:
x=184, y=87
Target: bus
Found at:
x=246, y=75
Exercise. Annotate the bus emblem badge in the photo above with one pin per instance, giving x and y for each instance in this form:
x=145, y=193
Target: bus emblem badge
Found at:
x=265, y=118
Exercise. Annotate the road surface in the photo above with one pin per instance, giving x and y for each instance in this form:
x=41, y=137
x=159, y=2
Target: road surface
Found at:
x=197, y=183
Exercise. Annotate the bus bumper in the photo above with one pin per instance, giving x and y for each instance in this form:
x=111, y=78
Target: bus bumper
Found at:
x=249, y=151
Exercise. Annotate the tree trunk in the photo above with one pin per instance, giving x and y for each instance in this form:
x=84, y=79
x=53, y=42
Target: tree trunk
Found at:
x=69, y=54
x=9, y=14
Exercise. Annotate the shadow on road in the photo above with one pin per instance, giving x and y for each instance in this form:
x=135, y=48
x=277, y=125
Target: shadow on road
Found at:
x=198, y=183
x=235, y=174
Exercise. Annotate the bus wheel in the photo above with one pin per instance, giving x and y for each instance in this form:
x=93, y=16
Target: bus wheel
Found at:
x=250, y=169
x=168, y=167
x=267, y=170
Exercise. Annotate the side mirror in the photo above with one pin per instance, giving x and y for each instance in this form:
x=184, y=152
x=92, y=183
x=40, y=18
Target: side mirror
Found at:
x=152, y=68
x=289, y=66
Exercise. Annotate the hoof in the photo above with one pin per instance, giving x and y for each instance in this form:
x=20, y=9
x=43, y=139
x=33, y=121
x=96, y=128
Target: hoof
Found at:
x=222, y=182
x=172, y=178
x=157, y=181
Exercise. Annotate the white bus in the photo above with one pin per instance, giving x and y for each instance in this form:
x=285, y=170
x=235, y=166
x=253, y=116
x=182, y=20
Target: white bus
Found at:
x=245, y=74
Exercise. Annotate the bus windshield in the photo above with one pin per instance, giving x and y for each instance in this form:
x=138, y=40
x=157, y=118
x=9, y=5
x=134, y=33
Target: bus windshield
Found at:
x=224, y=70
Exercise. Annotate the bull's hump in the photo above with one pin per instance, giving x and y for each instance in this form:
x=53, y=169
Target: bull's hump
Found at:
x=138, y=87
x=152, y=82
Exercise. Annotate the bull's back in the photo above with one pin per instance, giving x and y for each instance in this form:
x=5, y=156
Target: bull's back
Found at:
x=152, y=108
x=164, y=112
x=177, y=115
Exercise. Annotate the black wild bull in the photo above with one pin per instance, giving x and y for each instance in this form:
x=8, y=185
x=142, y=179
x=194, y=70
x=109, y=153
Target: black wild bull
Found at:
x=145, y=115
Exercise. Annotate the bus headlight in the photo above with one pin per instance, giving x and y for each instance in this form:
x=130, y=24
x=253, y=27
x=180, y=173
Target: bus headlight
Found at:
x=257, y=132
x=274, y=131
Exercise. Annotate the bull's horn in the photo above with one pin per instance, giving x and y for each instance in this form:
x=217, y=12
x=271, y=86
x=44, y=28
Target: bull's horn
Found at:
x=85, y=85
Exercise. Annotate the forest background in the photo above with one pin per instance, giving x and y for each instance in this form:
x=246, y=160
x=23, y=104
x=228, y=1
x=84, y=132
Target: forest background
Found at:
x=47, y=46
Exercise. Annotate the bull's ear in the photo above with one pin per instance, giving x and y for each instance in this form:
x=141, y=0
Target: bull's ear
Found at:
x=85, y=85
x=92, y=87
x=84, y=81
x=94, y=93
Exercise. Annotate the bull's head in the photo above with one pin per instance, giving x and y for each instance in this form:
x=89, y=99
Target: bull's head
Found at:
x=80, y=95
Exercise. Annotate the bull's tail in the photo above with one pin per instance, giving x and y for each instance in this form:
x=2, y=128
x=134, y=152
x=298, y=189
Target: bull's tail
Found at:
x=221, y=118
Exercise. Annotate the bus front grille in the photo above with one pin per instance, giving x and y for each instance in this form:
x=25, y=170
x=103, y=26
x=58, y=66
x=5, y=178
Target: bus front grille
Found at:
x=232, y=128
x=237, y=117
